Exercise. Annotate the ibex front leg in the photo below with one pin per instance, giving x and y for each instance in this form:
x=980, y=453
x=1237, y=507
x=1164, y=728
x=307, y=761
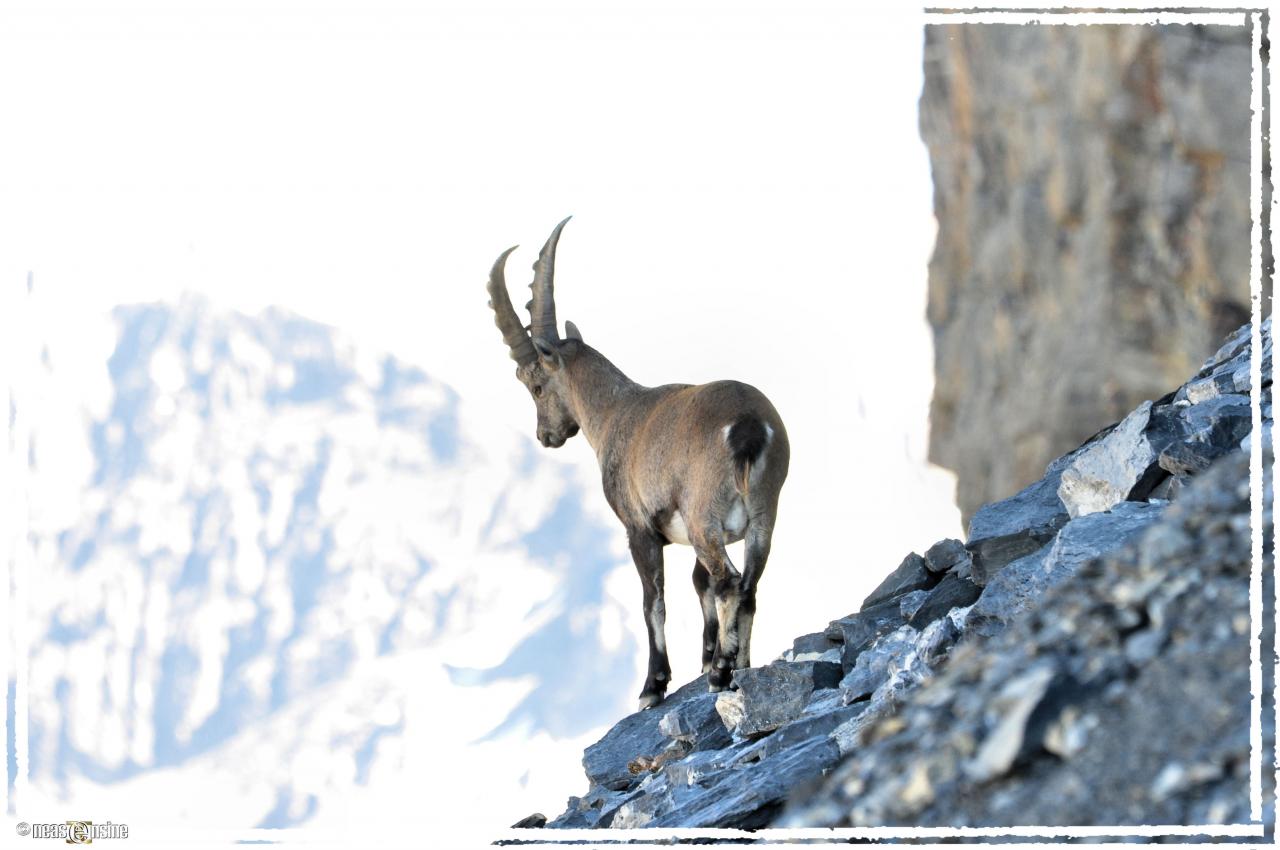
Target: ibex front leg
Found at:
x=646, y=551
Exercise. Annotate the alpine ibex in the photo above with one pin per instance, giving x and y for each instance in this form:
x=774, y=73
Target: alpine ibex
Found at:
x=698, y=465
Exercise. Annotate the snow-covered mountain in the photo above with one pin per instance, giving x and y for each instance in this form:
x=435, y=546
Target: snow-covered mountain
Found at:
x=280, y=579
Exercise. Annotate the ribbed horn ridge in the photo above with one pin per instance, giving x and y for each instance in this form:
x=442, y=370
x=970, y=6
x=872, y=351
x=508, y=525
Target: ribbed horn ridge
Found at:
x=542, y=307
x=504, y=315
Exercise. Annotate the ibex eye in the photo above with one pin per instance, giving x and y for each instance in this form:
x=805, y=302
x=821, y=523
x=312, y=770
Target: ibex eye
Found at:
x=537, y=391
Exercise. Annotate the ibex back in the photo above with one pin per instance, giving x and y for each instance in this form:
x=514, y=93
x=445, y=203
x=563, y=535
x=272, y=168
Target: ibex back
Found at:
x=698, y=465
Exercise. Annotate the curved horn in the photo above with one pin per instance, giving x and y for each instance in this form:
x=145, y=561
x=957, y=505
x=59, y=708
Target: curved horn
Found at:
x=504, y=315
x=542, y=307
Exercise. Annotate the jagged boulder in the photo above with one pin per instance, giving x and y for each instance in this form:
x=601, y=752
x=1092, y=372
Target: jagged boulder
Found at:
x=607, y=762
x=912, y=574
x=946, y=555
x=768, y=697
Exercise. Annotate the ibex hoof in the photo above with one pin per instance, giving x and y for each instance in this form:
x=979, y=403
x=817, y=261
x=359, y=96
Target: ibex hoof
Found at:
x=719, y=679
x=649, y=699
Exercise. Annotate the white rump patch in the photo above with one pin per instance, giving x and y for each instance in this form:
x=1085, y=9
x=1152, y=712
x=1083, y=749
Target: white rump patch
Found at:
x=735, y=521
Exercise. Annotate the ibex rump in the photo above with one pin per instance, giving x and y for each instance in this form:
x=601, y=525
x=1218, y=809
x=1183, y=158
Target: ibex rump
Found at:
x=698, y=465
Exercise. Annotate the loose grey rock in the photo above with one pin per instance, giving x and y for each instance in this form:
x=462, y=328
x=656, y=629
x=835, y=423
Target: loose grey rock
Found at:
x=606, y=761
x=812, y=646
x=1012, y=528
x=536, y=820
x=805, y=728
x=1221, y=422
x=1186, y=459
x=1015, y=588
x=911, y=574
x=945, y=555
x=1235, y=342
x=778, y=693
x=909, y=603
x=952, y=592
x=696, y=722
x=873, y=666
x=1169, y=489
x=751, y=795
x=595, y=809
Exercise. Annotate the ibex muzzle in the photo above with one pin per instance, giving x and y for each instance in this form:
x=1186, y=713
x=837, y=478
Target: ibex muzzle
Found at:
x=698, y=465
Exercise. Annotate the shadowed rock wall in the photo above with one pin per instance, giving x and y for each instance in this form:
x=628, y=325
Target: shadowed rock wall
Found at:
x=1091, y=185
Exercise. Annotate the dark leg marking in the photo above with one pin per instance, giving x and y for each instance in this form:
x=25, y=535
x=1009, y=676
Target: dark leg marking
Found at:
x=710, y=626
x=646, y=551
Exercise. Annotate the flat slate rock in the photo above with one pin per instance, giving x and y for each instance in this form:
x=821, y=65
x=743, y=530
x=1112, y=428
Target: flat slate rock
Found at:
x=750, y=796
x=1221, y=422
x=911, y=574
x=777, y=694
x=810, y=647
x=1186, y=459
x=945, y=555
x=605, y=761
x=1003, y=531
x=1015, y=588
x=952, y=592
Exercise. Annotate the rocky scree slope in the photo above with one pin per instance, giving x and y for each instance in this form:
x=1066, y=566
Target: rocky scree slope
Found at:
x=1082, y=658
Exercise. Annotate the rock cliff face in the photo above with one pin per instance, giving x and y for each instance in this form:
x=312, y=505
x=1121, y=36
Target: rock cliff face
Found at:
x=1091, y=186
x=1082, y=659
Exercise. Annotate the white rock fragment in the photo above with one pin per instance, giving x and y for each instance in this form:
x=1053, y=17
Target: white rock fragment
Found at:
x=1014, y=704
x=731, y=709
x=1105, y=473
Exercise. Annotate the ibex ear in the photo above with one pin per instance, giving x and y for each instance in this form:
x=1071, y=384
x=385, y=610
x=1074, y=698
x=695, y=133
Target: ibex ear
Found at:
x=571, y=331
x=548, y=354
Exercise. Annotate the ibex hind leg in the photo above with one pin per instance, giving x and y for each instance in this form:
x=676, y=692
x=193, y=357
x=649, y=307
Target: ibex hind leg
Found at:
x=710, y=624
x=725, y=593
x=757, y=554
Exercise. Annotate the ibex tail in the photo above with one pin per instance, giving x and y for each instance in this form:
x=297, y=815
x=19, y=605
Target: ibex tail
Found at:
x=747, y=437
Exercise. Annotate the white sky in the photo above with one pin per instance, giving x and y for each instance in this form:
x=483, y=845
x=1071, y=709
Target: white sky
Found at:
x=750, y=193
x=751, y=200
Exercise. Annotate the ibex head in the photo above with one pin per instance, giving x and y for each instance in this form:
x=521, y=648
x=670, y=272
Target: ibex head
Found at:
x=539, y=352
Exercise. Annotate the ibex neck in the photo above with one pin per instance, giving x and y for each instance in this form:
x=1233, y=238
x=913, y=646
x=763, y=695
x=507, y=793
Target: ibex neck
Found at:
x=597, y=389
